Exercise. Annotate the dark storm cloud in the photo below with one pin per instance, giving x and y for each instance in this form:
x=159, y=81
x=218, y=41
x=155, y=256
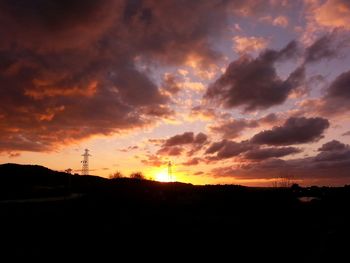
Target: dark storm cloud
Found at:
x=71, y=69
x=265, y=153
x=227, y=149
x=186, y=140
x=322, y=48
x=270, y=118
x=200, y=138
x=327, y=47
x=216, y=146
x=333, y=145
x=340, y=87
x=333, y=152
x=231, y=149
x=327, y=166
x=233, y=128
x=254, y=84
x=245, y=150
x=295, y=130
x=336, y=101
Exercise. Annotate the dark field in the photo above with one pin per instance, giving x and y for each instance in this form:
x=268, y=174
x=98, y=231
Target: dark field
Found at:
x=51, y=215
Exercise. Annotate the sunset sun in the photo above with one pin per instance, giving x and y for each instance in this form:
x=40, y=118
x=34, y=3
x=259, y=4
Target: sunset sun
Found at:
x=162, y=176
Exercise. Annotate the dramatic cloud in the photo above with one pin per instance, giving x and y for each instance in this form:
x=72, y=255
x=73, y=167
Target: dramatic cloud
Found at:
x=203, y=113
x=170, y=150
x=233, y=128
x=331, y=166
x=171, y=84
x=265, y=153
x=269, y=119
x=334, y=156
x=216, y=146
x=333, y=13
x=340, y=87
x=227, y=149
x=254, y=83
x=200, y=138
x=73, y=69
x=231, y=149
x=336, y=100
x=295, y=130
x=322, y=48
x=246, y=151
x=187, y=139
x=332, y=146
x=329, y=46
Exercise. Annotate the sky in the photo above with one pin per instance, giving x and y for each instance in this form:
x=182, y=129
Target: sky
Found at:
x=229, y=91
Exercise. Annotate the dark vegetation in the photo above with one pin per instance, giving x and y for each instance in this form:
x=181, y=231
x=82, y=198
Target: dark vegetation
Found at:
x=47, y=214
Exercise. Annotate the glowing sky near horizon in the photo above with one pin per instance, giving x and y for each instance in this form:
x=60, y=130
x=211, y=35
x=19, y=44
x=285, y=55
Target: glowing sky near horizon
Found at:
x=229, y=91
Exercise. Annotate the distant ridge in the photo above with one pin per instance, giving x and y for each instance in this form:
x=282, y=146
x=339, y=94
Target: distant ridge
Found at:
x=20, y=169
x=23, y=174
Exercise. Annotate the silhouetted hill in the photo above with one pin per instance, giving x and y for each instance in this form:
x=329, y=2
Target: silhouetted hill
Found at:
x=26, y=181
x=108, y=218
x=31, y=174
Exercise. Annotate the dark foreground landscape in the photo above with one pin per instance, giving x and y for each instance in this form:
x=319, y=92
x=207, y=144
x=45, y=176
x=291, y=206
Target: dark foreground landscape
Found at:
x=53, y=215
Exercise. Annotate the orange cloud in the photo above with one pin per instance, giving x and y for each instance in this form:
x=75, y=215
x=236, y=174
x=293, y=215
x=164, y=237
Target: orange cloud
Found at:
x=281, y=21
x=333, y=13
x=43, y=89
x=249, y=44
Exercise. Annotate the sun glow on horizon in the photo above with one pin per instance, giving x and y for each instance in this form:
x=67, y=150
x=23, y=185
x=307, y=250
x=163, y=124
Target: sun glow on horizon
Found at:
x=162, y=176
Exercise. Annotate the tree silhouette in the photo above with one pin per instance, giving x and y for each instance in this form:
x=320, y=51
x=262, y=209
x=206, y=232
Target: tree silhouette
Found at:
x=68, y=171
x=285, y=180
x=116, y=175
x=137, y=175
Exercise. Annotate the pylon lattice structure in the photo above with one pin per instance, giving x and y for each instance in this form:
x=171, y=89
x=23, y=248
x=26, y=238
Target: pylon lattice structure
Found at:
x=170, y=172
x=85, y=162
